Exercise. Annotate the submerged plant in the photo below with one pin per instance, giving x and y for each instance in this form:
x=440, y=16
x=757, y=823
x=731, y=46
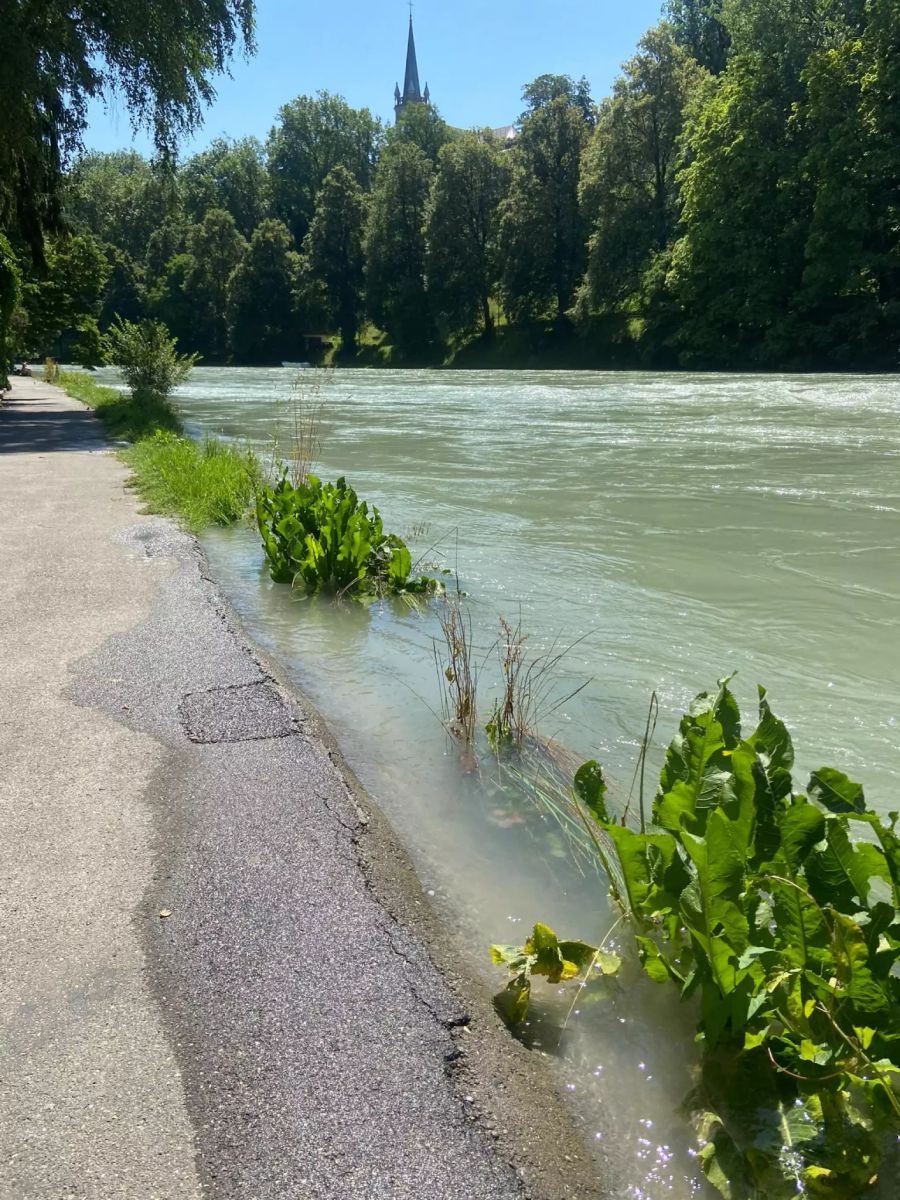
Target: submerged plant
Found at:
x=459, y=674
x=760, y=905
x=322, y=538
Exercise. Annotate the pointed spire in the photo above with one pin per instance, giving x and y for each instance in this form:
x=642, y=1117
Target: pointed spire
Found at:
x=426, y=95
x=397, y=96
x=411, y=92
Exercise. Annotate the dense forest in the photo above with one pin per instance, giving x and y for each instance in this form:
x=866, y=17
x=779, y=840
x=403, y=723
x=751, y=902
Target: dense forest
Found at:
x=734, y=203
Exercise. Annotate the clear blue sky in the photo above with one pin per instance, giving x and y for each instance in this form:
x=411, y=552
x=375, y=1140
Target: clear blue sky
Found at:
x=475, y=54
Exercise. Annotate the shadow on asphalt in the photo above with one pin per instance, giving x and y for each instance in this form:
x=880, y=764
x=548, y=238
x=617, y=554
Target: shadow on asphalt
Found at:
x=26, y=431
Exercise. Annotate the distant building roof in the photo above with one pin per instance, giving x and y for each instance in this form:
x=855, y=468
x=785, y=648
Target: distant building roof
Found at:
x=505, y=133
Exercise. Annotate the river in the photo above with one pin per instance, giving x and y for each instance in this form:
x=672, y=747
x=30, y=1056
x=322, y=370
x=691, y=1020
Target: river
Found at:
x=671, y=529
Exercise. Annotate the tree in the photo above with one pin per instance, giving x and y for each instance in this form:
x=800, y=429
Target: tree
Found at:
x=159, y=55
x=395, y=249
x=124, y=293
x=334, y=249
x=733, y=276
x=462, y=225
x=230, y=175
x=628, y=192
x=168, y=300
x=740, y=275
x=162, y=246
x=215, y=248
x=10, y=290
x=262, y=297
x=313, y=135
x=148, y=357
x=698, y=27
x=846, y=307
x=541, y=230
x=120, y=198
x=61, y=300
x=544, y=90
x=423, y=126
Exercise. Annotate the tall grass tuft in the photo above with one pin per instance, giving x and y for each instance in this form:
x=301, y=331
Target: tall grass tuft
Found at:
x=298, y=445
x=204, y=483
x=459, y=673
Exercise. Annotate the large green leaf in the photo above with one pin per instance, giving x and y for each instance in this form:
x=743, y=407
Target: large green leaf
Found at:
x=836, y=792
x=773, y=744
x=716, y=917
x=802, y=826
x=590, y=788
x=696, y=775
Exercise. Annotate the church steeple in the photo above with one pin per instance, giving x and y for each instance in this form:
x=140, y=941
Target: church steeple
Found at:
x=412, y=93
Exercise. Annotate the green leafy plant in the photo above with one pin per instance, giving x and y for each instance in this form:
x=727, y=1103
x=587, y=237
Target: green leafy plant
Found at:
x=148, y=357
x=761, y=907
x=322, y=538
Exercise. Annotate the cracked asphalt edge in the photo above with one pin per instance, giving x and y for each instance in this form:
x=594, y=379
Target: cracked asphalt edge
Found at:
x=513, y=1129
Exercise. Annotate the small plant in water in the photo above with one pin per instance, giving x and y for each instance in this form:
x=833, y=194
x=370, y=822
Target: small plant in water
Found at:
x=322, y=538
x=459, y=674
x=758, y=904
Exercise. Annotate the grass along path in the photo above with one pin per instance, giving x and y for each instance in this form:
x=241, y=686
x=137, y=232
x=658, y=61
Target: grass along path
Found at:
x=201, y=484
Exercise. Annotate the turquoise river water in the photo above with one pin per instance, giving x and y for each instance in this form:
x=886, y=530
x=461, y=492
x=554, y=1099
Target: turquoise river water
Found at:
x=670, y=529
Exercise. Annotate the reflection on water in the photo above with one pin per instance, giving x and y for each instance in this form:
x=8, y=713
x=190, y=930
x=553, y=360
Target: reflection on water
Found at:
x=690, y=526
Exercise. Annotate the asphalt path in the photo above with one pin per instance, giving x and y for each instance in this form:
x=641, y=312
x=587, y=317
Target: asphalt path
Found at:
x=219, y=975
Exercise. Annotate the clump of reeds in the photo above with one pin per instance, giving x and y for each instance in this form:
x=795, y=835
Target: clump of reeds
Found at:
x=507, y=726
x=529, y=687
x=459, y=673
x=299, y=445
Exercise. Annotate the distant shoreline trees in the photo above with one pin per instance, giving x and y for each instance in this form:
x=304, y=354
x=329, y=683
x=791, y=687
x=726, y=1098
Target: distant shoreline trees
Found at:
x=732, y=204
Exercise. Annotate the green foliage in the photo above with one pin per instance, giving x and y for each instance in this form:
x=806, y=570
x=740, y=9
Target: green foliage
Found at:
x=229, y=175
x=547, y=89
x=120, y=198
x=216, y=249
x=124, y=416
x=395, y=249
x=732, y=280
x=541, y=231
x=61, y=300
x=628, y=192
x=765, y=907
x=545, y=955
x=207, y=483
x=334, y=249
x=148, y=357
x=420, y=125
x=262, y=297
x=732, y=204
x=698, y=27
x=320, y=537
x=462, y=225
x=10, y=285
x=160, y=59
x=312, y=136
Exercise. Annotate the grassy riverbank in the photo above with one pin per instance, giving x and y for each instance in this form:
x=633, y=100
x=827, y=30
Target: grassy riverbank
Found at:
x=201, y=484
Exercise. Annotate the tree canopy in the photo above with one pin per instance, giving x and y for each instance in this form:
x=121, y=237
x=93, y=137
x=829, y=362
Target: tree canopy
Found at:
x=732, y=203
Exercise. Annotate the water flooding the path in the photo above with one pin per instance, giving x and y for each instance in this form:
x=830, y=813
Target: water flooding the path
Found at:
x=684, y=527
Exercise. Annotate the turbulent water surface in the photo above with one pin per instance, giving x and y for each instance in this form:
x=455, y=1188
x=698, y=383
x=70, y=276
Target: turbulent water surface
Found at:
x=671, y=529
